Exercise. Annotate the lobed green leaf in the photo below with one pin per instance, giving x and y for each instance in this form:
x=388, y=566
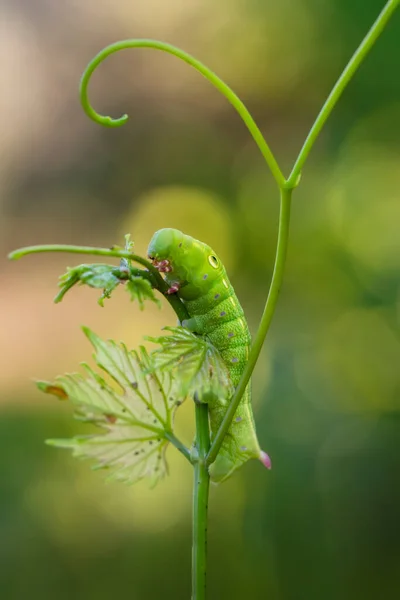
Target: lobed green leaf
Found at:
x=100, y=276
x=195, y=364
x=107, y=278
x=134, y=408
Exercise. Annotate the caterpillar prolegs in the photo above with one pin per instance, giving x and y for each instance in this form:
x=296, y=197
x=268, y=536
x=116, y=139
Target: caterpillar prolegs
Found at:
x=195, y=273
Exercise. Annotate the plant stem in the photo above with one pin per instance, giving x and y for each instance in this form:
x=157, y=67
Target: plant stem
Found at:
x=118, y=252
x=286, y=191
x=200, y=504
x=277, y=277
x=340, y=85
x=221, y=86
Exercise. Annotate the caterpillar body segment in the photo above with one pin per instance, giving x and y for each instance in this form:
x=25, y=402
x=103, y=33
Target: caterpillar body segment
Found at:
x=196, y=274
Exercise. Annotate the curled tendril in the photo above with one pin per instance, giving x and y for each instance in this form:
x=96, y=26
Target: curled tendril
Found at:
x=196, y=64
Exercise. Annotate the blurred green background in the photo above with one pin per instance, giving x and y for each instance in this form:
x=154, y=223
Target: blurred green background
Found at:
x=324, y=523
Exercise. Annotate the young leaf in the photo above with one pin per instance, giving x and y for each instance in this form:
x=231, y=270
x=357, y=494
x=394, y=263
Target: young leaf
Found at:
x=105, y=277
x=135, y=419
x=195, y=363
x=128, y=242
x=126, y=263
x=140, y=289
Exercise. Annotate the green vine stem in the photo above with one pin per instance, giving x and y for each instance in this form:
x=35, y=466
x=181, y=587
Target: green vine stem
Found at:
x=196, y=64
x=115, y=251
x=349, y=71
x=277, y=277
x=200, y=503
x=284, y=218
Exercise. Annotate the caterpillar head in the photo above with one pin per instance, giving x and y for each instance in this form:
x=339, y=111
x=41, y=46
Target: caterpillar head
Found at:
x=162, y=242
x=187, y=261
x=161, y=246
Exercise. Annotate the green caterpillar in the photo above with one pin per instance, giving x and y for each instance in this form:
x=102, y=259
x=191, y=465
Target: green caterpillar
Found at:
x=196, y=274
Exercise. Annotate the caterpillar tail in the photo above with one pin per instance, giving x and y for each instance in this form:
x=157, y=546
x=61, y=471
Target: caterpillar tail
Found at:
x=240, y=443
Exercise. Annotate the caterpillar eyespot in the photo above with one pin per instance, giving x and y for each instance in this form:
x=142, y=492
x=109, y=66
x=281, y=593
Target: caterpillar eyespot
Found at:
x=203, y=286
x=213, y=260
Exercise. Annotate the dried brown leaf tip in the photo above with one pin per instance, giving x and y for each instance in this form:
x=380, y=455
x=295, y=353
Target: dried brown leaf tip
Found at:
x=50, y=388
